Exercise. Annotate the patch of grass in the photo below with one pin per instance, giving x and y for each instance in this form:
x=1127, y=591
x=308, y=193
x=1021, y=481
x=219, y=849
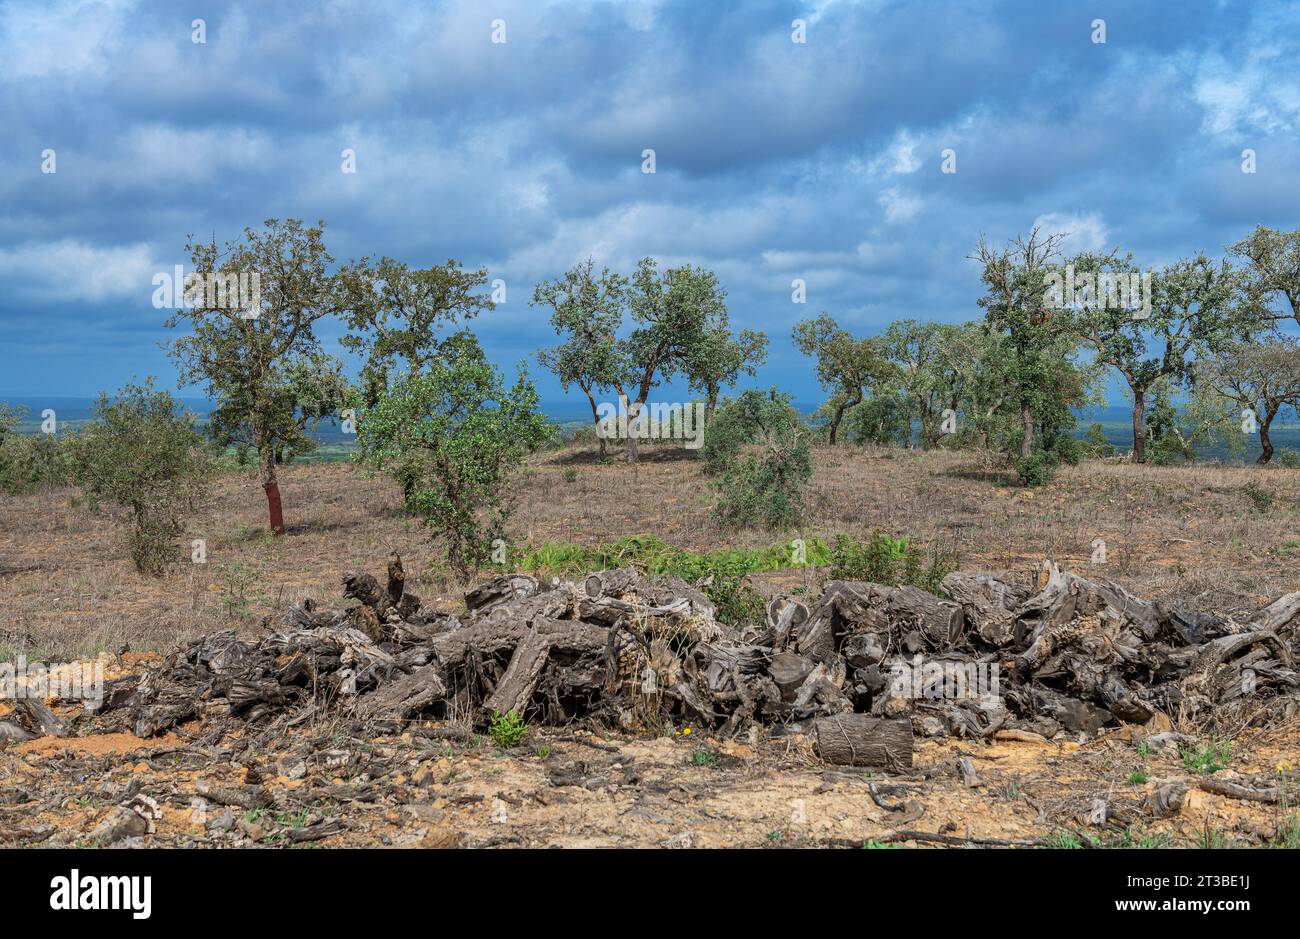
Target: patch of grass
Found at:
x=703, y=758
x=507, y=730
x=1208, y=758
x=1288, y=832
x=543, y=751
x=721, y=573
x=891, y=561
x=1064, y=839
x=872, y=845
x=1137, y=778
x=1260, y=498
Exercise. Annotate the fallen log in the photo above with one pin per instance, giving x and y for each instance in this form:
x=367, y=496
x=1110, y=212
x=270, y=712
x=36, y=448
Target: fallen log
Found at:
x=862, y=740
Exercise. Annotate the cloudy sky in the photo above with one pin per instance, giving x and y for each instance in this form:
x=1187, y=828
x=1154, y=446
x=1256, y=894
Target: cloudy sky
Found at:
x=775, y=159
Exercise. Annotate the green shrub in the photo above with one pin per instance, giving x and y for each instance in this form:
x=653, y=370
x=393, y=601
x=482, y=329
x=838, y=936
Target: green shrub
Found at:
x=507, y=730
x=764, y=486
x=142, y=453
x=451, y=436
x=1208, y=758
x=1096, y=445
x=1260, y=498
x=880, y=419
x=890, y=561
x=30, y=461
x=1037, y=469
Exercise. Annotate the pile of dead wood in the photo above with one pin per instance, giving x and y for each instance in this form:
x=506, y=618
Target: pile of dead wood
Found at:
x=862, y=670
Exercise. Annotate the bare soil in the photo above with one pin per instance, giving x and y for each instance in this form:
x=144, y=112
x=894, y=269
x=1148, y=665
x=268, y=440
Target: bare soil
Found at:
x=1221, y=538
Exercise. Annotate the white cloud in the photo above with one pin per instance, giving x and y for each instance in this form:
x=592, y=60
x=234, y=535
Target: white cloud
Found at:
x=1083, y=232
x=70, y=270
x=899, y=157
x=899, y=206
x=48, y=38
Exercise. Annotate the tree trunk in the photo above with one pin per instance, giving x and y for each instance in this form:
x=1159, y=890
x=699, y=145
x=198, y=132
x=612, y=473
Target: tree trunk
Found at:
x=839, y=416
x=266, y=456
x=712, y=406
x=1027, y=422
x=595, y=417
x=1139, y=425
x=1265, y=444
x=632, y=412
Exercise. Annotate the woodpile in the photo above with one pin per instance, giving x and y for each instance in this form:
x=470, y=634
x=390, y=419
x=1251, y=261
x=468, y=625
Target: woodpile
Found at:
x=862, y=670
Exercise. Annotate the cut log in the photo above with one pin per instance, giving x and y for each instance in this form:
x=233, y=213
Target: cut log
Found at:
x=359, y=585
x=789, y=671
x=519, y=682
x=500, y=590
x=862, y=740
x=405, y=697
x=989, y=604
x=396, y=580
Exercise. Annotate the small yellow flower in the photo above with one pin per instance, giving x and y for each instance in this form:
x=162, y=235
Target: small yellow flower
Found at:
x=687, y=731
x=1283, y=766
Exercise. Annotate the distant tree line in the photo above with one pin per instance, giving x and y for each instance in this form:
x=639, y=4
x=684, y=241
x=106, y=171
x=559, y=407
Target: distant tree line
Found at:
x=1206, y=333
x=1198, y=345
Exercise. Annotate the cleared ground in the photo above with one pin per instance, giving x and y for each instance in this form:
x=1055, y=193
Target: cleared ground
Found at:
x=1221, y=538
x=1214, y=537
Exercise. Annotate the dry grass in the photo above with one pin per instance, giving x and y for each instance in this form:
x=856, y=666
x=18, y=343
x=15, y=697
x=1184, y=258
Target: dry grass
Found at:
x=1214, y=537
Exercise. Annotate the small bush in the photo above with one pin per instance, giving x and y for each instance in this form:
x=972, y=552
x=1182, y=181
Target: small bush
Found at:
x=764, y=486
x=1037, y=469
x=1260, y=498
x=30, y=461
x=1096, y=445
x=142, y=453
x=507, y=730
x=452, y=436
x=890, y=561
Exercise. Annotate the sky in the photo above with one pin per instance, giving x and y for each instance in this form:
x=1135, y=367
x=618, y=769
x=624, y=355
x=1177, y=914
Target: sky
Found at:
x=821, y=160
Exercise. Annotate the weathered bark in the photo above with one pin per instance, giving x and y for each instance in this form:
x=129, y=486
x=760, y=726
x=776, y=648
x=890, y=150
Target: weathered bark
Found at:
x=521, y=676
x=840, y=408
x=633, y=410
x=501, y=590
x=1265, y=443
x=270, y=484
x=406, y=697
x=862, y=740
x=595, y=418
x=1139, y=425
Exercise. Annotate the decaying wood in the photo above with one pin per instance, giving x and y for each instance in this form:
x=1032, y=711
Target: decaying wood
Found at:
x=862, y=740
x=520, y=680
x=1073, y=656
x=40, y=720
x=1222, y=787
